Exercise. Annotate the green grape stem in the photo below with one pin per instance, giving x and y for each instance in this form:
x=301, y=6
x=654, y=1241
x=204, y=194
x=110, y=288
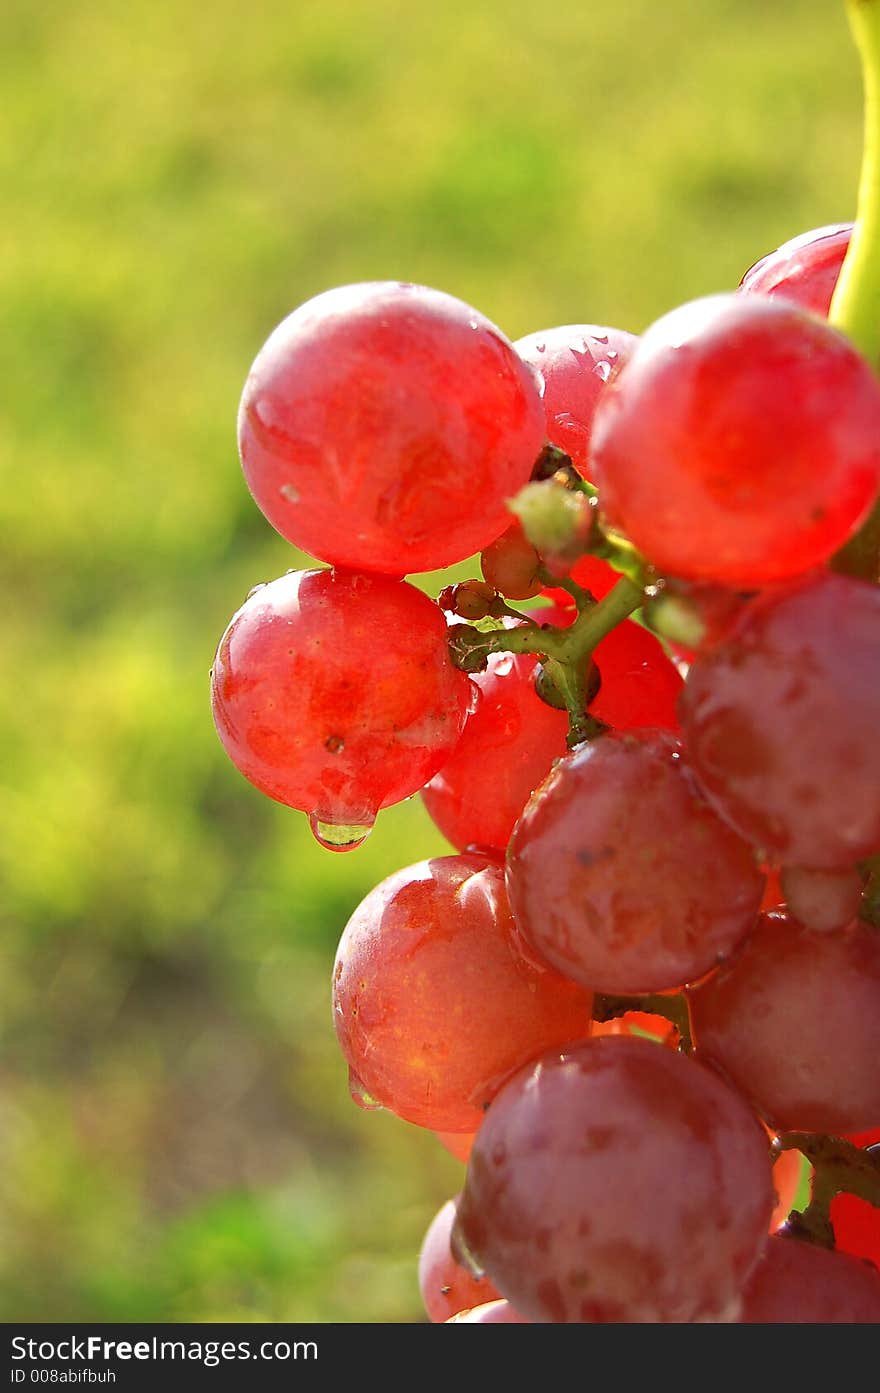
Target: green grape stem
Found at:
x=567, y=651
x=855, y=307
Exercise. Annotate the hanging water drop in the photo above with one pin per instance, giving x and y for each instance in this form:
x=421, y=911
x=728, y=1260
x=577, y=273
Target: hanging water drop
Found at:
x=339, y=836
x=360, y=1095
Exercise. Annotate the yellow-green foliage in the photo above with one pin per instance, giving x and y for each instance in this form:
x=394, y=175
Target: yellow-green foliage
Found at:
x=177, y=1142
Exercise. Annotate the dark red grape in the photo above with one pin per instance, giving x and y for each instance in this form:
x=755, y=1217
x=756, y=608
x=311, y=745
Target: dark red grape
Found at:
x=622, y=876
x=794, y=1022
x=434, y=1004
x=740, y=443
x=383, y=427
x=781, y=719
x=301, y=719
x=799, y=1283
x=618, y=1181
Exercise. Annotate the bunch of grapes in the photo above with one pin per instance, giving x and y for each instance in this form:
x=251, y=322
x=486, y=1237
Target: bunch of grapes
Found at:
x=646, y=980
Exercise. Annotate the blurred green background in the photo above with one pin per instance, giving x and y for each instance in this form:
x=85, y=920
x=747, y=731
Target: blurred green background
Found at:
x=176, y=1139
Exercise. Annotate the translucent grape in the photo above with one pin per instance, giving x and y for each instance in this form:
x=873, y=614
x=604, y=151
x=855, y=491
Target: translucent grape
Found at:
x=383, y=427
x=573, y=363
x=822, y=900
x=740, y=443
x=434, y=1004
x=333, y=692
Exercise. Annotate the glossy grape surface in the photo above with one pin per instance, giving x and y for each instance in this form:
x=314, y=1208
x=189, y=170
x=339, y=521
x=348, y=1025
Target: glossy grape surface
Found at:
x=573, y=363
x=297, y=713
x=434, y=1004
x=622, y=876
x=794, y=1022
x=383, y=426
x=781, y=721
x=740, y=443
x=618, y=1181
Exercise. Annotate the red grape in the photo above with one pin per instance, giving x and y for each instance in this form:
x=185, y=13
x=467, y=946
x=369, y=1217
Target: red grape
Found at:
x=573, y=362
x=799, y=1283
x=622, y=877
x=434, y=1004
x=509, y=743
x=804, y=270
x=447, y=1287
x=492, y=1313
x=780, y=720
x=794, y=1022
x=300, y=719
x=740, y=443
x=383, y=427
x=619, y=1181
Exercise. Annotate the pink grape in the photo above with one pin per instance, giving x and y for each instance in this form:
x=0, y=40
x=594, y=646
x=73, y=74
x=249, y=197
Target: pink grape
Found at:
x=794, y=1022
x=622, y=876
x=617, y=1181
x=434, y=1003
x=780, y=720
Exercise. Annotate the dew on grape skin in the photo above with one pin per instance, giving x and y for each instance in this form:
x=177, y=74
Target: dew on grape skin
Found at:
x=341, y=836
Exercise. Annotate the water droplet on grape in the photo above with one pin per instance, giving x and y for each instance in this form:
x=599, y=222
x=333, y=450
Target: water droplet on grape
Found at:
x=602, y=370
x=360, y=1095
x=335, y=744
x=290, y=493
x=339, y=836
x=260, y=585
